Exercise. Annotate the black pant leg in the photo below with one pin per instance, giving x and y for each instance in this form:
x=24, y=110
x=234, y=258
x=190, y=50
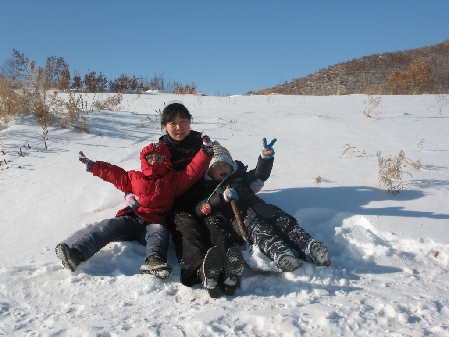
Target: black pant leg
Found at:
x=191, y=244
x=297, y=236
x=220, y=234
x=267, y=238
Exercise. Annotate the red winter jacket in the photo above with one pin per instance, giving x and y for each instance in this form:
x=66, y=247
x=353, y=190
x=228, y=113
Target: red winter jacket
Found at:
x=156, y=185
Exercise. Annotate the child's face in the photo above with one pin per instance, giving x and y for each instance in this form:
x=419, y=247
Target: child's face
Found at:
x=155, y=158
x=179, y=128
x=220, y=170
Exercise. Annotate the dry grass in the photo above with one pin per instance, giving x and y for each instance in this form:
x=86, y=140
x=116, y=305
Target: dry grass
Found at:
x=327, y=116
x=420, y=145
x=374, y=89
x=347, y=147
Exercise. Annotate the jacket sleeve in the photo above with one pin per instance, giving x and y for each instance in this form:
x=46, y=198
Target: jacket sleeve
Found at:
x=215, y=201
x=113, y=174
x=262, y=170
x=193, y=172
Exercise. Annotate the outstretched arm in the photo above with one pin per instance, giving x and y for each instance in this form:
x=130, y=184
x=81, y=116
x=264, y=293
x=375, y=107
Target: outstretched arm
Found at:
x=108, y=172
x=261, y=173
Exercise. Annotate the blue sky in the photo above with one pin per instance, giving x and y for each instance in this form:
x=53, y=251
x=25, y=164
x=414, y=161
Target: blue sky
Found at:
x=225, y=47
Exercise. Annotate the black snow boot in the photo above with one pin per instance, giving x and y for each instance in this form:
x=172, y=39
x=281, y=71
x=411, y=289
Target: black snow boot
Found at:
x=287, y=261
x=70, y=256
x=210, y=270
x=156, y=265
x=233, y=267
x=316, y=252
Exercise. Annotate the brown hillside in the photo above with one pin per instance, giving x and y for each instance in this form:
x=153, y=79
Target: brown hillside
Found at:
x=368, y=73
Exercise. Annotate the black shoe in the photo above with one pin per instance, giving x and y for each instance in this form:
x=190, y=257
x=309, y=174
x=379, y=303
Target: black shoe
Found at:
x=233, y=267
x=155, y=265
x=70, y=257
x=210, y=271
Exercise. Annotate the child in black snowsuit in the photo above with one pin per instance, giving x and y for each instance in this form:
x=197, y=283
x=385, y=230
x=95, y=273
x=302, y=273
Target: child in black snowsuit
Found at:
x=276, y=233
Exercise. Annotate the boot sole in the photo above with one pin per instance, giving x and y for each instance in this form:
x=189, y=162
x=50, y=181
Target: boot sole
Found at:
x=162, y=271
x=63, y=254
x=212, y=265
x=234, y=264
x=317, y=253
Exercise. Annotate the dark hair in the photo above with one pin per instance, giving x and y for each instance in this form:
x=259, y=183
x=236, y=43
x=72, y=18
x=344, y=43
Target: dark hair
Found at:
x=171, y=111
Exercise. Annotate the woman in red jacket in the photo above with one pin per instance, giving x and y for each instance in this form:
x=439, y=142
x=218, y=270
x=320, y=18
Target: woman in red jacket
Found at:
x=154, y=190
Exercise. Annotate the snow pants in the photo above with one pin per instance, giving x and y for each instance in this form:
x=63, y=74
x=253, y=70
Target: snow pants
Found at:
x=277, y=234
x=191, y=243
x=125, y=228
x=219, y=232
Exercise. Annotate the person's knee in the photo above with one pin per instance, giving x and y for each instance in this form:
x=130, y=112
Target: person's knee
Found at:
x=185, y=220
x=216, y=221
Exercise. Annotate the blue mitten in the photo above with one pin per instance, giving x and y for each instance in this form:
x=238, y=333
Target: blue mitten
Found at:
x=230, y=194
x=256, y=185
x=86, y=162
x=267, y=150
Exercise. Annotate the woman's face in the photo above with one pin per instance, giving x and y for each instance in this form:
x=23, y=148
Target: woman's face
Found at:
x=179, y=128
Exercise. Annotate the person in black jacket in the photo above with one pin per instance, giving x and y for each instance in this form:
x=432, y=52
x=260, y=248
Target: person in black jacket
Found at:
x=200, y=261
x=276, y=233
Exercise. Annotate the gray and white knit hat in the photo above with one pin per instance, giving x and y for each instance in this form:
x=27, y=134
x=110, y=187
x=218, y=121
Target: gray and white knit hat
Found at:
x=220, y=154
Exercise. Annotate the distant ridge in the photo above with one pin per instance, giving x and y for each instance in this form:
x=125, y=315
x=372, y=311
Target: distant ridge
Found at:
x=357, y=75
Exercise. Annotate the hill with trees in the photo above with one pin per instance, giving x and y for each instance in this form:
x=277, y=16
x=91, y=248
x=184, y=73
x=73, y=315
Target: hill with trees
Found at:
x=414, y=71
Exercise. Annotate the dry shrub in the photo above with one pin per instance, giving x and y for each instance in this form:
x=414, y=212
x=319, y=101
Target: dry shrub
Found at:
x=11, y=103
x=82, y=127
x=373, y=103
x=374, y=89
x=442, y=101
x=26, y=87
x=391, y=171
x=186, y=89
x=70, y=111
x=111, y=103
x=416, y=79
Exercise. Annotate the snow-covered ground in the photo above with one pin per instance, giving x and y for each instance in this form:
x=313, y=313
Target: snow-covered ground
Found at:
x=390, y=254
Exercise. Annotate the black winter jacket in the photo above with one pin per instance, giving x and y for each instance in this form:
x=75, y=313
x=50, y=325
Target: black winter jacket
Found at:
x=250, y=205
x=182, y=153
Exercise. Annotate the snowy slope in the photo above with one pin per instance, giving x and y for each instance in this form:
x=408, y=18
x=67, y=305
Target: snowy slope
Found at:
x=390, y=254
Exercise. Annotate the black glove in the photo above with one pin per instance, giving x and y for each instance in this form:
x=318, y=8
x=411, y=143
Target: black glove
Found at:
x=207, y=146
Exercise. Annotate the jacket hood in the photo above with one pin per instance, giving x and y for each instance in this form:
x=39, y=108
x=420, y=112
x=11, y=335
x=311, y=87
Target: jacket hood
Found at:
x=157, y=169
